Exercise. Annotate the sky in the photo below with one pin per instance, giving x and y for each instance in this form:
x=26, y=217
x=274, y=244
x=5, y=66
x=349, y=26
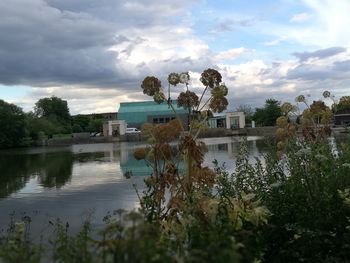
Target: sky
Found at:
x=95, y=54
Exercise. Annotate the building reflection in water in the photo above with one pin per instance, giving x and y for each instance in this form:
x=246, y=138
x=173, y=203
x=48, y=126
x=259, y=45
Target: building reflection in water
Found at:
x=80, y=166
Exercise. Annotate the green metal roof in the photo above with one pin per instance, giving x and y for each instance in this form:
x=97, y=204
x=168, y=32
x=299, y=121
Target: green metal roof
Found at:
x=137, y=112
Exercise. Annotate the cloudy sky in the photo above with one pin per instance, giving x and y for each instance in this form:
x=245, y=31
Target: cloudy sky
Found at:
x=96, y=53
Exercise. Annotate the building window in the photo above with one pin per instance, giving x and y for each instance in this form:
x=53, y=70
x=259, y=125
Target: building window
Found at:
x=155, y=120
x=161, y=120
x=167, y=120
x=172, y=118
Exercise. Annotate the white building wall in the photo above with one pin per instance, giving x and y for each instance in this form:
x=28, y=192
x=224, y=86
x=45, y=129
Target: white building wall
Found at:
x=237, y=114
x=121, y=126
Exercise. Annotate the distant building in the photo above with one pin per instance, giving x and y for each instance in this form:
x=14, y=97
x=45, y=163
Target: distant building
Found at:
x=230, y=120
x=137, y=113
x=114, y=128
x=342, y=117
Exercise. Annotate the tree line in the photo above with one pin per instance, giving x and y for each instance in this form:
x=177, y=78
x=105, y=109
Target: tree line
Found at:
x=49, y=117
x=272, y=109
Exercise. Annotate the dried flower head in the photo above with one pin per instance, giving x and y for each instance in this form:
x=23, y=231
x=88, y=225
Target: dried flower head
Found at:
x=281, y=121
x=187, y=100
x=184, y=78
x=140, y=153
x=218, y=104
x=300, y=98
x=326, y=94
x=219, y=91
x=203, y=176
x=281, y=134
x=174, y=79
x=166, y=152
x=159, y=97
x=206, y=114
x=195, y=149
x=211, y=78
x=151, y=85
x=166, y=132
x=287, y=108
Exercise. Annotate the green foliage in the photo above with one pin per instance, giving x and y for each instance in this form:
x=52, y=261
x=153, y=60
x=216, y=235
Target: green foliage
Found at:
x=54, y=106
x=55, y=111
x=306, y=192
x=268, y=115
x=77, y=128
x=12, y=125
x=343, y=105
x=38, y=127
x=82, y=121
x=17, y=246
x=95, y=125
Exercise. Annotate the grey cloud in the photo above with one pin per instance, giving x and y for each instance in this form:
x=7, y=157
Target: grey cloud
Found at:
x=342, y=66
x=125, y=12
x=322, y=53
x=337, y=70
x=61, y=42
x=228, y=25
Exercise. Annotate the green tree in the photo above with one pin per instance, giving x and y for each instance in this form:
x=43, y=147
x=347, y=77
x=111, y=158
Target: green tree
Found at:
x=344, y=104
x=82, y=121
x=12, y=125
x=39, y=126
x=95, y=125
x=268, y=115
x=56, y=111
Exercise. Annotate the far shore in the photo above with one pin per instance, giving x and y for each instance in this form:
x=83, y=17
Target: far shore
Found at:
x=210, y=133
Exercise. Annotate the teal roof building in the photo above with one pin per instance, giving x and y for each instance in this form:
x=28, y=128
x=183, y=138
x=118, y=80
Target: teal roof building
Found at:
x=137, y=113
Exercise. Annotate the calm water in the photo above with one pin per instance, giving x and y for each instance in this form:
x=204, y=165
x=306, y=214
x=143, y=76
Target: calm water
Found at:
x=72, y=182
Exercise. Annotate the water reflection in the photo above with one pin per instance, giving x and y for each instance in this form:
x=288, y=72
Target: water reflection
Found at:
x=51, y=170
x=68, y=182
x=82, y=166
x=225, y=150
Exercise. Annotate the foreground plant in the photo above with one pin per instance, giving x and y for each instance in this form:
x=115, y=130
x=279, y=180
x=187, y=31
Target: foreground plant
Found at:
x=181, y=196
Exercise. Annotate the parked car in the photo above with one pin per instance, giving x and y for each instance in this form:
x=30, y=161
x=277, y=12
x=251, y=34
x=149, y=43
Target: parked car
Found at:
x=132, y=130
x=95, y=134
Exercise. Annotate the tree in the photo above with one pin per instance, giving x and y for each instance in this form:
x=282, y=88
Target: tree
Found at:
x=37, y=127
x=344, y=104
x=95, y=125
x=268, y=115
x=12, y=125
x=56, y=111
x=318, y=109
x=82, y=121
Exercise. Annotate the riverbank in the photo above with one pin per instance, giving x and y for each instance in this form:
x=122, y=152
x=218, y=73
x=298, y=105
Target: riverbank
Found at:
x=209, y=133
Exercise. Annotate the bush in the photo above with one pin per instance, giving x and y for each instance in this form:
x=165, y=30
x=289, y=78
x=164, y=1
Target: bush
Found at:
x=12, y=125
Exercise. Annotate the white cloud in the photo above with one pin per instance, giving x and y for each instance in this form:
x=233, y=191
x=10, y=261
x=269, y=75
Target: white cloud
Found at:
x=326, y=27
x=298, y=18
x=230, y=54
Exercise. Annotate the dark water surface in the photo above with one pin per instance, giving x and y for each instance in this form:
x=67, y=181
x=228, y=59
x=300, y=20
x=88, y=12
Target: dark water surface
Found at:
x=72, y=182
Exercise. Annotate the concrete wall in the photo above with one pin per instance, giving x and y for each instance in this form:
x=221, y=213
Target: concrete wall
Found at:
x=261, y=131
x=79, y=135
x=222, y=132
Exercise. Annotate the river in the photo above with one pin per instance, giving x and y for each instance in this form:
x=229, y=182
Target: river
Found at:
x=73, y=182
